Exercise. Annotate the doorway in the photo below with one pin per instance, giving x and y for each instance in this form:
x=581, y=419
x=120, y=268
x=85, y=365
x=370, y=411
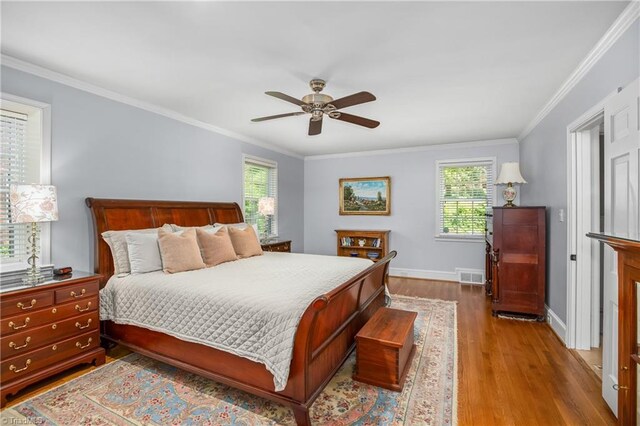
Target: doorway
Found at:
x=602, y=197
x=587, y=215
x=590, y=196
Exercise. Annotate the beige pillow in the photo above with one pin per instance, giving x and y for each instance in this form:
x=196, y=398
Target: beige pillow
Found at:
x=245, y=241
x=179, y=252
x=216, y=248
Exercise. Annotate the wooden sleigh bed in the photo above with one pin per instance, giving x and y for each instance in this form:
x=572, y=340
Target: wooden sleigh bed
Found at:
x=323, y=340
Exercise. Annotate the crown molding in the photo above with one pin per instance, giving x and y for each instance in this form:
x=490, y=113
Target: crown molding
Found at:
x=628, y=16
x=455, y=145
x=39, y=71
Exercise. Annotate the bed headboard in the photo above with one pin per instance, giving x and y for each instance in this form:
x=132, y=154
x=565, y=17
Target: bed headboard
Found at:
x=110, y=214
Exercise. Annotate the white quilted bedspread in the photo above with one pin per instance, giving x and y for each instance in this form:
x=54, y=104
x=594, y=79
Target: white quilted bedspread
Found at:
x=249, y=307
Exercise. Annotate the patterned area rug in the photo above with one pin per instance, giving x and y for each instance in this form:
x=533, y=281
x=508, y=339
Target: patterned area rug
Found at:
x=136, y=390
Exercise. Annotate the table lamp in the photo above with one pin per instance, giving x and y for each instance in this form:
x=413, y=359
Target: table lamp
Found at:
x=33, y=204
x=267, y=208
x=510, y=174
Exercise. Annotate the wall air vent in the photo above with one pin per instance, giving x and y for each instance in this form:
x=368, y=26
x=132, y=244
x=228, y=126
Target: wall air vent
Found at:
x=470, y=276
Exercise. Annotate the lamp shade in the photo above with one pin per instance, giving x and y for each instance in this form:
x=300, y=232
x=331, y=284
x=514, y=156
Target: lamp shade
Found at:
x=267, y=206
x=510, y=173
x=33, y=203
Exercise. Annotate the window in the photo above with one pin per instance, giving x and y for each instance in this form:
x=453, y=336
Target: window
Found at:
x=261, y=195
x=465, y=193
x=24, y=158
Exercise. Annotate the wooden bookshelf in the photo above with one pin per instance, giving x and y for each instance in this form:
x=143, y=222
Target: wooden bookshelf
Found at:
x=375, y=241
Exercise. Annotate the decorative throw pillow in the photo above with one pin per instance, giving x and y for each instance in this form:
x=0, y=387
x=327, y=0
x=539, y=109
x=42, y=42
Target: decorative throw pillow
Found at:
x=245, y=242
x=216, y=247
x=144, y=252
x=241, y=225
x=118, y=244
x=179, y=252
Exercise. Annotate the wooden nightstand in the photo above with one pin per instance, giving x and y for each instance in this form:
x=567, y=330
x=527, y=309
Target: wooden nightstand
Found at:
x=282, y=246
x=47, y=329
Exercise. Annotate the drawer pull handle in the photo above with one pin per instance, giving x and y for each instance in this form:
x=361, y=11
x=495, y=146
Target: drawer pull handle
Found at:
x=74, y=294
x=25, y=307
x=26, y=342
x=54, y=347
x=54, y=326
x=17, y=370
x=81, y=346
x=13, y=325
x=82, y=327
x=79, y=309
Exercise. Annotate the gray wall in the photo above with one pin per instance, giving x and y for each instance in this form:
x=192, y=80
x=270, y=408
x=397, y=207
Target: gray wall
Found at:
x=412, y=219
x=103, y=148
x=543, y=154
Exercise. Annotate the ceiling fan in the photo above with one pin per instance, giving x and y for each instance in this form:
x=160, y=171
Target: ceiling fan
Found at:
x=318, y=104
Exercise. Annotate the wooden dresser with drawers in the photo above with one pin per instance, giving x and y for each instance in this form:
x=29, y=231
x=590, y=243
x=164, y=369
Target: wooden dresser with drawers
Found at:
x=47, y=329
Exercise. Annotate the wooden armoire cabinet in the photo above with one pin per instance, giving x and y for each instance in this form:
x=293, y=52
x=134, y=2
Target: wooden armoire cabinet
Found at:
x=516, y=260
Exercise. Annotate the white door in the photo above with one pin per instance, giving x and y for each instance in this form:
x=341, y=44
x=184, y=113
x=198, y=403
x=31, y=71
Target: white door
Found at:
x=622, y=148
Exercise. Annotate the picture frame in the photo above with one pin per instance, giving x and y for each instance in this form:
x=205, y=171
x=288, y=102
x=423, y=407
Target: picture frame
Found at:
x=365, y=196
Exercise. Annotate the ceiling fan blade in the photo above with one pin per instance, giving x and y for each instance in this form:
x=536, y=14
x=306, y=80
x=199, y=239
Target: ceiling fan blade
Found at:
x=355, y=99
x=271, y=117
x=360, y=121
x=287, y=98
x=315, y=127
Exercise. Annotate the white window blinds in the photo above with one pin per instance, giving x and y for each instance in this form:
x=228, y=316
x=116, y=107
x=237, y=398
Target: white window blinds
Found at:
x=16, y=161
x=465, y=194
x=260, y=181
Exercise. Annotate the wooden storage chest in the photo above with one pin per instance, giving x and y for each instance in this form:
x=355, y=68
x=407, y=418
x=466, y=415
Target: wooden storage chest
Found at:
x=385, y=348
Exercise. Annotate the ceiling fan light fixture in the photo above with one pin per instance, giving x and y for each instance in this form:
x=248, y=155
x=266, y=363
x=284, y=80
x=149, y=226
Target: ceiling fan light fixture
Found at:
x=317, y=98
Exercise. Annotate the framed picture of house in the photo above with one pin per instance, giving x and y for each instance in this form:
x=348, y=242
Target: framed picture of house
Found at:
x=365, y=196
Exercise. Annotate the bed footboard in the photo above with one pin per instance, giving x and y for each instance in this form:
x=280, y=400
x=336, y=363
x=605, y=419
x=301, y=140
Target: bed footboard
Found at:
x=326, y=334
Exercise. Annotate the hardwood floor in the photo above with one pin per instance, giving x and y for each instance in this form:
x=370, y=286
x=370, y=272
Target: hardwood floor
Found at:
x=510, y=372
x=593, y=358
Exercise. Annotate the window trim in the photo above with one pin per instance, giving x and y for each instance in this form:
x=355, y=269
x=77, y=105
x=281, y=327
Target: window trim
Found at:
x=45, y=176
x=266, y=163
x=460, y=162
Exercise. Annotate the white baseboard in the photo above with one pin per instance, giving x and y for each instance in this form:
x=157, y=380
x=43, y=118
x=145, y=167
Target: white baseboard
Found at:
x=558, y=327
x=423, y=273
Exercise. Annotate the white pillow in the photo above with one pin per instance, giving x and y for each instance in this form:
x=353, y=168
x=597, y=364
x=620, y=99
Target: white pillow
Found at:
x=144, y=252
x=211, y=229
x=241, y=225
x=118, y=245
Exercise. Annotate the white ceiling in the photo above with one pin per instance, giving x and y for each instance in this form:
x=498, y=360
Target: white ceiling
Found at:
x=442, y=72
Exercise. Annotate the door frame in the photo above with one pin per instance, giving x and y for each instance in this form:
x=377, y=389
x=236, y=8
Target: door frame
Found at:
x=580, y=300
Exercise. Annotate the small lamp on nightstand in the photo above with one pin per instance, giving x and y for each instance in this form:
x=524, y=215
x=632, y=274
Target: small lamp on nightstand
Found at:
x=267, y=208
x=33, y=204
x=510, y=174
